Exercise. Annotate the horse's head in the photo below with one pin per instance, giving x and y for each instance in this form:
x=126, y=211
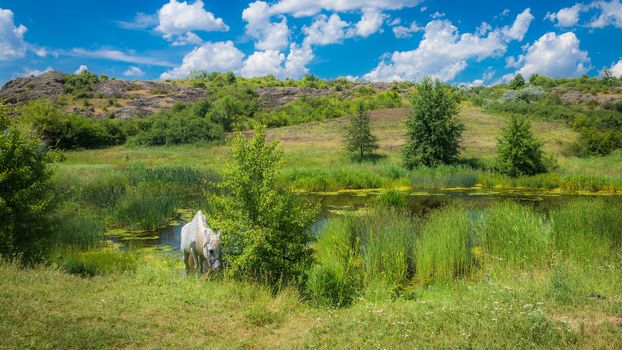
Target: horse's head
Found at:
x=212, y=250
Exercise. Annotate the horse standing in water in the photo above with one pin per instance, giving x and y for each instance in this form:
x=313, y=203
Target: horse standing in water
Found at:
x=200, y=245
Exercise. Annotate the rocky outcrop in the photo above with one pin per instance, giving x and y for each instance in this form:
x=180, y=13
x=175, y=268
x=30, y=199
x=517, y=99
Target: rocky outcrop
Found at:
x=21, y=90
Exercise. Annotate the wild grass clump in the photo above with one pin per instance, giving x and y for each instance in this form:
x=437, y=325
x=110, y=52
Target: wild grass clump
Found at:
x=513, y=236
x=444, y=176
x=76, y=228
x=444, y=249
x=146, y=208
x=139, y=173
x=391, y=198
x=105, y=190
x=388, y=247
x=588, y=230
x=95, y=262
x=325, y=180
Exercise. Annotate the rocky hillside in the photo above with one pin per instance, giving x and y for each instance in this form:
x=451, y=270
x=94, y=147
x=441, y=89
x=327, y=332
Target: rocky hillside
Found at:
x=122, y=99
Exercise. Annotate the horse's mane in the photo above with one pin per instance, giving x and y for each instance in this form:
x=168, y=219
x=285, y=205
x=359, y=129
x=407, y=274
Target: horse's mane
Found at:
x=201, y=222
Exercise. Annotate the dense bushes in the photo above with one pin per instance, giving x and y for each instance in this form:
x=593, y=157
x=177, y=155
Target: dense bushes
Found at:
x=70, y=131
x=519, y=153
x=25, y=192
x=81, y=85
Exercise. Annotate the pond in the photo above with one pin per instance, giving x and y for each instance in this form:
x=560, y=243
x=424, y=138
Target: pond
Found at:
x=336, y=203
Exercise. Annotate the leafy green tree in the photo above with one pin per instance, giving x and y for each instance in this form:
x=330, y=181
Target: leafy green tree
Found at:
x=359, y=138
x=518, y=82
x=433, y=130
x=607, y=76
x=266, y=229
x=519, y=153
x=25, y=193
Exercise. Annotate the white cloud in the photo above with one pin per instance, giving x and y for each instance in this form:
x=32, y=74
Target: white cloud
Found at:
x=134, y=71
x=115, y=55
x=12, y=45
x=263, y=63
x=520, y=26
x=188, y=38
x=325, y=30
x=217, y=56
x=370, y=23
x=83, y=68
x=33, y=72
x=268, y=35
x=555, y=56
x=443, y=52
x=437, y=15
x=402, y=32
x=305, y=8
x=566, y=17
x=182, y=18
x=608, y=13
x=616, y=69
x=140, y=21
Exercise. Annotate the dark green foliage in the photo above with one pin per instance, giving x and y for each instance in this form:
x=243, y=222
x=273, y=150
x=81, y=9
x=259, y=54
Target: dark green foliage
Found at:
x=518, y=82
x=25, y=193
x=81, y=85
x=595, y=142
x=358, y=138
x=433, y=129
x=70, y=131
x=184, y=124
x=519, y=153
x=266, y=229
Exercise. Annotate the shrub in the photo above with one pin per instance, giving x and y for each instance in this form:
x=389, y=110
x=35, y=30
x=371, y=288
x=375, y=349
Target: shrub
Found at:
x=518, y=151
x=81, y=85
x=25, y=193
x=525, y=95
x=518, y=82
x=359, y=138
x=266, y=228
x=177, y=127
x=433, y=129
x=594, y=142
x=70, y=131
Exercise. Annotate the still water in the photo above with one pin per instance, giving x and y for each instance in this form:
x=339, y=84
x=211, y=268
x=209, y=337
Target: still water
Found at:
x=419, y=201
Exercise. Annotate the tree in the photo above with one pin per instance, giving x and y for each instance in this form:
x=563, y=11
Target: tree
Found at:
x=25, y=193
x=359, y=138
x=518, y=82
x=266, y=229
x=433, y=129
x=518, y=151
x=607, y=76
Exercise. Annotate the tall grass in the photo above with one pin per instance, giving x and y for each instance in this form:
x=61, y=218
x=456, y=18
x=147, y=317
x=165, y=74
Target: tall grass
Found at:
x=513, y=236
x=444, y=176
x=326, y=179
x=388, y=244
x=588, y=230
x=76, y=228
x=148, y=207
x=444, y=250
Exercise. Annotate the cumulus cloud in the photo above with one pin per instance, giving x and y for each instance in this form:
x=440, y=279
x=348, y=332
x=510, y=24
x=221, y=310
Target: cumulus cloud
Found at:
x=268, y=35
x=216, y=56
x=134, y=71
x=325, y=30
x=402, y=32
x=305, y=8
x=263, y=63
x=609, y=13
x=555, y=56
x=616, y=69
x=83, y=68
x=178, y=20
x=370, y=23
x=443, y=52
x=12, y=45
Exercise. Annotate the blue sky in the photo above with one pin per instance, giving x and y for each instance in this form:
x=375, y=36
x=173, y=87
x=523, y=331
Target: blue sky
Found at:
x=475, y=41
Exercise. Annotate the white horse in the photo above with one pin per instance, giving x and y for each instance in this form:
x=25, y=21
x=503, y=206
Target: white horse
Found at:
x=201, y=244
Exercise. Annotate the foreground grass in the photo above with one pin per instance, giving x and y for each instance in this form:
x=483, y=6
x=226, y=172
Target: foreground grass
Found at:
x=158, y=307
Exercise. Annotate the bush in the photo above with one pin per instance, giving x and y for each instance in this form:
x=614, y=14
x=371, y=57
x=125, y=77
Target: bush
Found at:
x=70, y=131
x=518, y=151
x=594, y=142
x=177, y=127
x=525, y=95
x=25, y=193
x=266, y=229
x=433, y=129
x=81, y=85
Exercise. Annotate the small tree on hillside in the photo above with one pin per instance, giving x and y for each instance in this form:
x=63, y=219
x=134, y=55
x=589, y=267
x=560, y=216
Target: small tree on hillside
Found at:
x=433, y=129
x=607, y=76
x=359, y=138
x=266, y=228
x=518, y=151
x=518, y=82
